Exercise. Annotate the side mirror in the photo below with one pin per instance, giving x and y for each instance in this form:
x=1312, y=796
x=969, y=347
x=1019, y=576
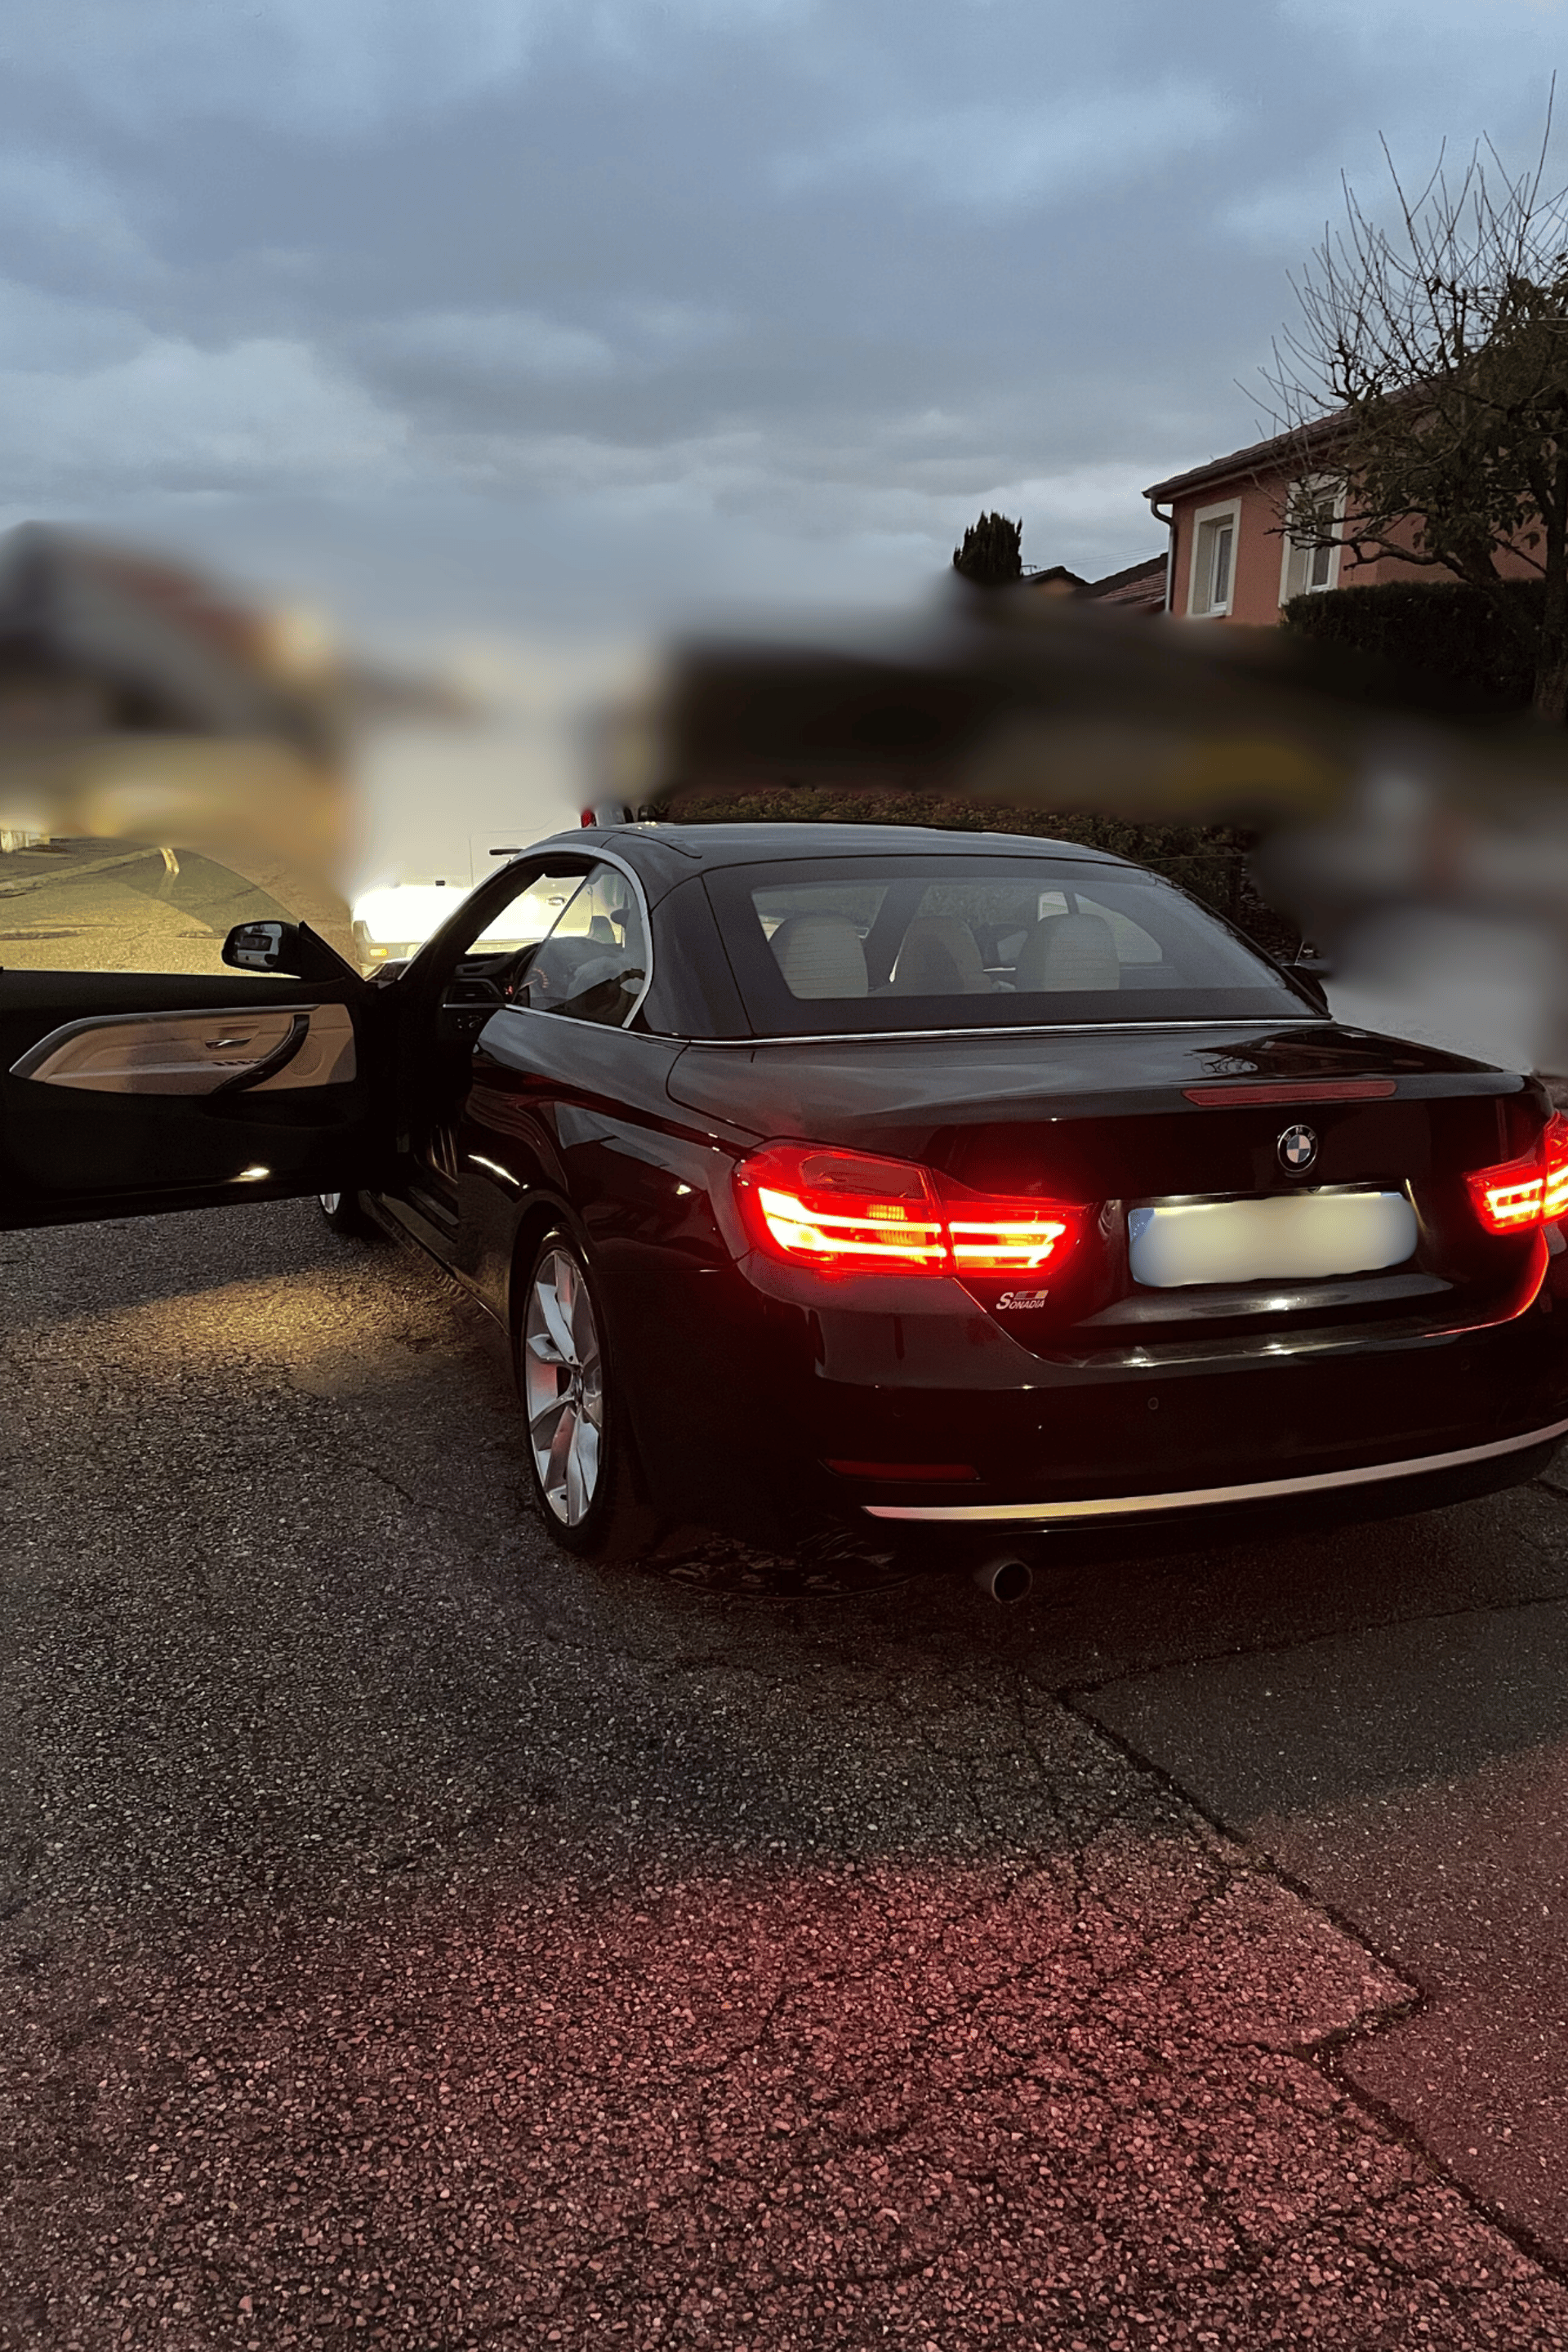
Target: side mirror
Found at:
x=260, y=947
x=293, y=950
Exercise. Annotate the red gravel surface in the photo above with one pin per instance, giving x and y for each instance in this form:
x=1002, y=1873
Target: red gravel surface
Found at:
x=410, y=1939
x=1072, y=2107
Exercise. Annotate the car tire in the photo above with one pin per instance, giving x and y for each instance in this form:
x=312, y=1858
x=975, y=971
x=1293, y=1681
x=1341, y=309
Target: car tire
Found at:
x=578, y=1443
x=343, y=1214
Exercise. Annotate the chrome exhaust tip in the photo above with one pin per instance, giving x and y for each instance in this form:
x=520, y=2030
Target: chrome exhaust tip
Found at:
x=1005, y=1576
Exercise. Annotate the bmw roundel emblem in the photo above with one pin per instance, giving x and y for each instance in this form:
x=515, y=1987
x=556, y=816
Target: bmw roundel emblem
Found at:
x=1298, y=1148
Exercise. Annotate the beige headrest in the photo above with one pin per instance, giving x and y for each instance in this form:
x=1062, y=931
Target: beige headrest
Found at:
x=820, y=955
x=1067, y=951
x=938, y=957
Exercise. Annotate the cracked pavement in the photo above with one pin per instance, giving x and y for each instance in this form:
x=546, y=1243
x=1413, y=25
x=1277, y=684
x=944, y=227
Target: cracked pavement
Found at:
x=411, y=1938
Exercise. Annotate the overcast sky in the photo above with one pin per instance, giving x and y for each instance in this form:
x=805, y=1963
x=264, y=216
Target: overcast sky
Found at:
x=488, y=312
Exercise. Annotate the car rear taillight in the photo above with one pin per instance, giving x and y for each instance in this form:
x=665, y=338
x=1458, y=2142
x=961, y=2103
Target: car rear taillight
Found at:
x=843, y=1210
x=1530, y=1190
x=1554, y=1199
x=848, y=1213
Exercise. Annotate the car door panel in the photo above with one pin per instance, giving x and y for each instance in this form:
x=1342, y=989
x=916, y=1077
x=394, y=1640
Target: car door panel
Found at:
x=571, y=1099
x=283, y=1047
x=446, y=996
x=474, y=1153
x=122, y=1093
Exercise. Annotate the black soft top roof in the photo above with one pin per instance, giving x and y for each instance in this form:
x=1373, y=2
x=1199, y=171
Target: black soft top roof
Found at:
x=663, y=847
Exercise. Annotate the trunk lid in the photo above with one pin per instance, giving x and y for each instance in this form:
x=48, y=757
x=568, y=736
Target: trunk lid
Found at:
x=1123, y=1120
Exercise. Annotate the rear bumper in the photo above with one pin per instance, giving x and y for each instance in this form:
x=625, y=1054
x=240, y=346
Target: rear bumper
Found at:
x=1088, y=1509
x=906, y=1414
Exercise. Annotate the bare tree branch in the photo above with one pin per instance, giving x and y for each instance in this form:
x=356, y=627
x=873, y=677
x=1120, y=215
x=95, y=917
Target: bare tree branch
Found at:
x=1428, y=371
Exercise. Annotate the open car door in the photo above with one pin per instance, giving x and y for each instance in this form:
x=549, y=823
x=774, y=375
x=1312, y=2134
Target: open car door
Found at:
x=124, y=1094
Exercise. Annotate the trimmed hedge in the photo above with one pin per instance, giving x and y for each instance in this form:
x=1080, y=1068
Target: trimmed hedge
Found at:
x=1448, y=628
x=1209, y=861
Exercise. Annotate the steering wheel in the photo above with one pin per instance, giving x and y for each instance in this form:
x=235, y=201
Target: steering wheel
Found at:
x=512, y=974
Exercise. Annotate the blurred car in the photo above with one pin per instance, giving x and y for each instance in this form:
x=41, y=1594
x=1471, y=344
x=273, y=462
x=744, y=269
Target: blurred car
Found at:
x=848, y=1184
x=392, y=923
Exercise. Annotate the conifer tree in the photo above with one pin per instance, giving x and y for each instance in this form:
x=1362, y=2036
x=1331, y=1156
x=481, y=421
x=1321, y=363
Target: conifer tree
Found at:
x=992, y=554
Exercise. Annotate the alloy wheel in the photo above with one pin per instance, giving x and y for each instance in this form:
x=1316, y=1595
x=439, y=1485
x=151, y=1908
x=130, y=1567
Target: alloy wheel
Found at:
x=563, y=1386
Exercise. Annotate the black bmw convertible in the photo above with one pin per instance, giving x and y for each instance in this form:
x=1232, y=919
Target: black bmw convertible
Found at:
x=873, y=1185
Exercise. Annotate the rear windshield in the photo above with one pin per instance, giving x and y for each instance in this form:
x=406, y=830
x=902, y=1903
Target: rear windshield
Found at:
x=929, y=942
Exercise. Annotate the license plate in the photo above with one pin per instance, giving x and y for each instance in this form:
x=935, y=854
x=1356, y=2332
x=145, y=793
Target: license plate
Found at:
x=1289, y=1237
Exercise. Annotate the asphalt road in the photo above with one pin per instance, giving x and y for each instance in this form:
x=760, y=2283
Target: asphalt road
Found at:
x=117, y=906
x=410, y=1937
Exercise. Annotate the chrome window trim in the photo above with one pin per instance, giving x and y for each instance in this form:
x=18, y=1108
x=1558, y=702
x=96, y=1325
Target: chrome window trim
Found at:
x=1194, y=1498
x=1018, y=1029
x=649, y=1036
x=597, y=856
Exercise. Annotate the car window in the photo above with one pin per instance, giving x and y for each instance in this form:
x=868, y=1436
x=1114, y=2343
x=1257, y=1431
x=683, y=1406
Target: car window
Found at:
x=533, y=915
x=119, y=906
x=928, y=940
x=1134, y=945
x=593, y=964
x=857, y=902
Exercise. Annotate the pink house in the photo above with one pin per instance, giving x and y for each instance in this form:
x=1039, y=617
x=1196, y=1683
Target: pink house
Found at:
x=1233, y=558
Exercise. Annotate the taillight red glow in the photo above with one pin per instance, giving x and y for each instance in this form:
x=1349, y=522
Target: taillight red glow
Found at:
x=1555, y=1144
x=852, y=1213
x=996, y=1239
x=844, y=1209
x=1529, y=1191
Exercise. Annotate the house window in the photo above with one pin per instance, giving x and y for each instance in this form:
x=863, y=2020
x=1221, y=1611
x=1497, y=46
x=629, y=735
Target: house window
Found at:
x=1313, y=515
x=1213, y=580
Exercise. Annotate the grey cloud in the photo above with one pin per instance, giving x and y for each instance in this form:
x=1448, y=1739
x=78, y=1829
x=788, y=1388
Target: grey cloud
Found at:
x=528, y=303
x=665, y=332
x=329, y=66
x=91, y=399
x=490, y=380
x=488, y=347
x=480, y=355
x=44, y=334
x=992, y=157
x=318, y=63
x=1286, y=215
x=58, y=212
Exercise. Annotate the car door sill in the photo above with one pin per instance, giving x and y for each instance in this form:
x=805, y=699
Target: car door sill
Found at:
x=432, y=1206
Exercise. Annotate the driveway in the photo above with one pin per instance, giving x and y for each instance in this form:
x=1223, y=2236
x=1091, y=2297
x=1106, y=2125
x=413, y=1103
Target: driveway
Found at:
x=412, y=1938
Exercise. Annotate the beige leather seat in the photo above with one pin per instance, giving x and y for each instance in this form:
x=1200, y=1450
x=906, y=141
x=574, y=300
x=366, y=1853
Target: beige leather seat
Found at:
x=938, y=957
x=1068, y=952
x=820, y=955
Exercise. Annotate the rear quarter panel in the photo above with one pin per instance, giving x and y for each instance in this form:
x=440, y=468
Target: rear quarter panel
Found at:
x=566, y=1121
